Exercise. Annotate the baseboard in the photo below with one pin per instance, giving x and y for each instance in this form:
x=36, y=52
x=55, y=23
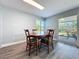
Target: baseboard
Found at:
x=9, y=44
x=0, y=47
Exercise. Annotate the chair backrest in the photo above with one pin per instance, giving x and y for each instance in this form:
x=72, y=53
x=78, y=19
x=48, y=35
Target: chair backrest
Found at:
x=27, y=34
x=29, y=38
x=51, y=32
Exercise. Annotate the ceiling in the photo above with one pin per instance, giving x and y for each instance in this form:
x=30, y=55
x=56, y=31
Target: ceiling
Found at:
x=52, y=7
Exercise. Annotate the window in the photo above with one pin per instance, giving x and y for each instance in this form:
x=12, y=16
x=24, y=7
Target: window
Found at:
x=40, y=26
x=68, y=24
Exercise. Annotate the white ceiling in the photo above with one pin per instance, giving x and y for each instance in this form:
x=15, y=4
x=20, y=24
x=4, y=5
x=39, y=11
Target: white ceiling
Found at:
x=52, y=7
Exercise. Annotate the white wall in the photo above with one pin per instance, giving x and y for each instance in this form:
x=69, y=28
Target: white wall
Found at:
x=14, y=23
x=0, y=25
x=52, y=23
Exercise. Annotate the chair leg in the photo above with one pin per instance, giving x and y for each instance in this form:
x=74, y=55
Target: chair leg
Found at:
x=36, y=50
x=29, y=50
x=48, y=46
x=26, y=47
x=39, y=46
x=52, y=44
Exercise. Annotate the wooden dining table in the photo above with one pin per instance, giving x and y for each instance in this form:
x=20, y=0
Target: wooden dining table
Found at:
x=38, y=40
x=39, y=35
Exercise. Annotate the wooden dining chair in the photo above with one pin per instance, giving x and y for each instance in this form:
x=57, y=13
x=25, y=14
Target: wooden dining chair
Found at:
x=51, y=33
x=39, y=40
x=48, y=39
x=31, y=42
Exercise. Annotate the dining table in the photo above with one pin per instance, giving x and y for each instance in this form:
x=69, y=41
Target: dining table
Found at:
x=39, y=35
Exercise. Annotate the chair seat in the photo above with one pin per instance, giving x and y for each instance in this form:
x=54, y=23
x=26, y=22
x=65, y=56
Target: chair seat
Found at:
x=44, y=40
x=33, y=40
